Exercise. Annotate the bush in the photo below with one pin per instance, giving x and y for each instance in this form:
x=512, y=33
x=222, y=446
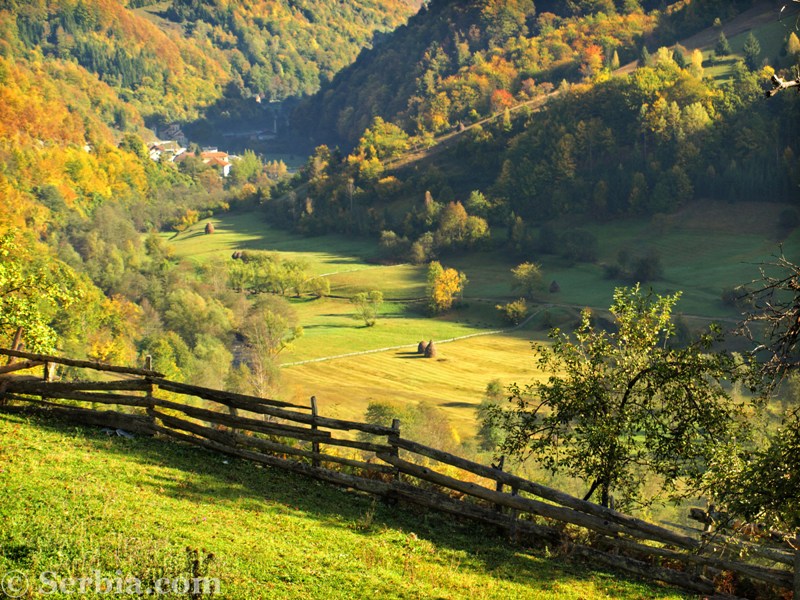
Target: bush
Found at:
x=579, y=245
x=514, y=312
x=422, y=423
x=647, y=268
x=393, y=248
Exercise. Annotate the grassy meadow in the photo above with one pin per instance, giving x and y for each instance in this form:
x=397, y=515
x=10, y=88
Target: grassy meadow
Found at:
x=767, y=26
x=74, y=500
x=703, y=249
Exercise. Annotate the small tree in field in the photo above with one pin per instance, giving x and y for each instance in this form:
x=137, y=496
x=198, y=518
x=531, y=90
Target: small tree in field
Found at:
x=527, y=278
x=367, y=306
x=624, y=406
x=443, y=287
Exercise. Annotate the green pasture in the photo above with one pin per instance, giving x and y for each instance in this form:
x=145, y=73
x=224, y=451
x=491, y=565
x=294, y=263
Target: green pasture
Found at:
x=248, y=230
x=454, y=381
x=74, y=501
x=703, y=248
x=771, y=36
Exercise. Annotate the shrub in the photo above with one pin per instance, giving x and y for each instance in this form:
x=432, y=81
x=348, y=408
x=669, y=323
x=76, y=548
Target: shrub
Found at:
x=514, y=312
x=647, y=268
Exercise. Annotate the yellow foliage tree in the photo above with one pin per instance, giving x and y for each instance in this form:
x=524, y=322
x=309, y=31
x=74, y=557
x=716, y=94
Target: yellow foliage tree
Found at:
x=443, y=286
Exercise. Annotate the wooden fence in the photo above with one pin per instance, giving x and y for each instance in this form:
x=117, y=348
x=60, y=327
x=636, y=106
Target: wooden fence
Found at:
x=297, y=438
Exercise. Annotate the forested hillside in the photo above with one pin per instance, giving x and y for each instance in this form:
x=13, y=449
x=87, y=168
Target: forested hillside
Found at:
x=605, y=144
x=281, y=49
x=459, y=61
x=162, y=75
x=173, y=59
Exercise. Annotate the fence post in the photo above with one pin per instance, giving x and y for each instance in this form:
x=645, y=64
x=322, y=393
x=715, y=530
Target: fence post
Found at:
x=499, y=488
x=392, y=439
x=314, y=443
x=151, y=404
x=49, y=371
x=513, y=533
x=796, y=587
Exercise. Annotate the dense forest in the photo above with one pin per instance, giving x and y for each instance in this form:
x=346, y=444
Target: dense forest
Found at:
x=603, y=146
x=282, y=49
x=171, y=64
x=458, y=61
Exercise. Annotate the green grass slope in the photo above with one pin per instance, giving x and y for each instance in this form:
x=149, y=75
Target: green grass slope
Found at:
x=73, y=501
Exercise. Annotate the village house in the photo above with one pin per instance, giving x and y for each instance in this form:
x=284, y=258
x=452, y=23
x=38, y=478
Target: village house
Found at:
x=211, y=156
x=166, y=150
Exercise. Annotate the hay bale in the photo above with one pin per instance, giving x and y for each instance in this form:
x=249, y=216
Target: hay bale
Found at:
x=209, y=228
x=421, y=347
x=430, y=350
x=554, y=287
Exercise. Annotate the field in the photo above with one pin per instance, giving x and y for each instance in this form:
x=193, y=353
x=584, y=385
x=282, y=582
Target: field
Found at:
x=68, y=496
x=767, y=25
x=703, y=249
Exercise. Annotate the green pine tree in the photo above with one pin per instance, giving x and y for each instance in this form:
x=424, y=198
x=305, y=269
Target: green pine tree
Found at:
x=752, y=52
x=723, y=48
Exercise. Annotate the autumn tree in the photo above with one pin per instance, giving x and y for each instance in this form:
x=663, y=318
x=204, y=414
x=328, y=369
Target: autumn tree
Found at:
x=527, y=278
x=268, y=329
x=622, y=406
x=367, y=305
x=793, y=45
x=34, y=293
x=246, y=168
x=444, y=284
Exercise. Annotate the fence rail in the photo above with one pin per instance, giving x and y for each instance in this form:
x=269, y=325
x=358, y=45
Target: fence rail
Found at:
x=294, y=437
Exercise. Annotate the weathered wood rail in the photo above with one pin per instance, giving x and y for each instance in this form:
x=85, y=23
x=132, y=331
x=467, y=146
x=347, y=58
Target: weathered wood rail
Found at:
x=295, y=437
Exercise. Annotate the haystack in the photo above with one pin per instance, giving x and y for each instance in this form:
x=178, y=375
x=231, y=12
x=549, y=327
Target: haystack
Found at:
x=421, y=347
x=430, y=350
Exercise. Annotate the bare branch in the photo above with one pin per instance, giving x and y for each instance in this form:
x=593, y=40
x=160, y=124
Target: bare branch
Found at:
x=779, y=84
